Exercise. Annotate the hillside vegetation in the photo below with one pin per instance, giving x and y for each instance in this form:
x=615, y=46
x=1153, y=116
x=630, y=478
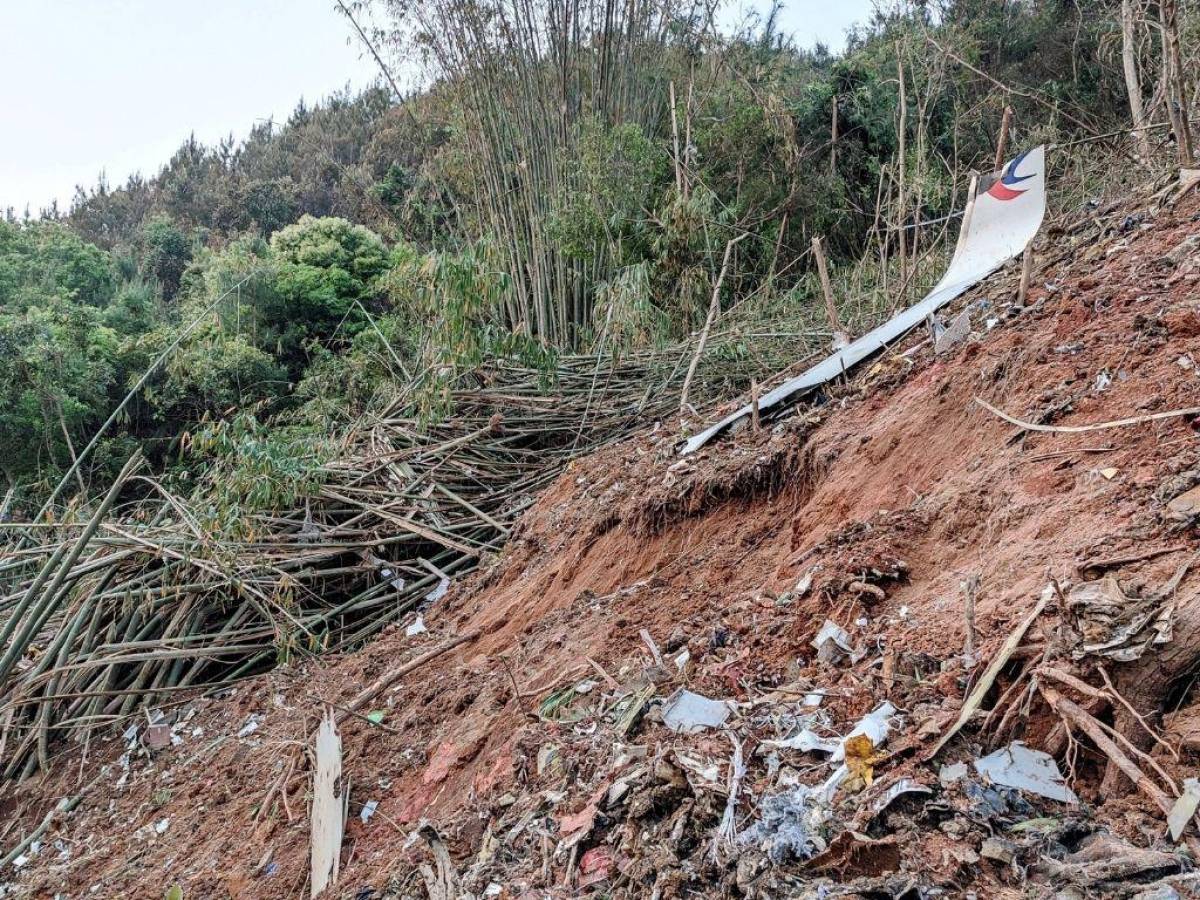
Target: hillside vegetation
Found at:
x=547, y=191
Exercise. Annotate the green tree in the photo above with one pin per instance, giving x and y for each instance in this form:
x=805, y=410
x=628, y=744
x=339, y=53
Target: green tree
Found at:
x=46, y=261
x=56, y=369
x=325, y=276
x=165, y=253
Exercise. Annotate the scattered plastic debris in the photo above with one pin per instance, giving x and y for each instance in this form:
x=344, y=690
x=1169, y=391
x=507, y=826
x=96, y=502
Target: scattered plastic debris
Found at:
x=157, y=737
x=952, y=773
x=1114, y=625
x=831, y=631
x=417, y=626
x=368, y=810
x=900, y=788
x=957, y=333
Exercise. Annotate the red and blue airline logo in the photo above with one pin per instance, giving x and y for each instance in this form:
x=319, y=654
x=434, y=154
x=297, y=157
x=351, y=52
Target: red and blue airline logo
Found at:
x=1003, y=188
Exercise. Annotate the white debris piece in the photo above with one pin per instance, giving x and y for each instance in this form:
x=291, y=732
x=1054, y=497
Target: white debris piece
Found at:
x=438, y=592
x=417, y=626
x=392, y=578
x=831, y=631
x=368, y=810
x=707, y=772
x=1184, y=808
x=807, y=741
x=994, y=231
x=876, y=725
x=805, y=583
x=903, y=786
x=328, y=808
x=688, y=712
x=1017, y=766
x=952, y=773
x=251, y=725
x=957, y=333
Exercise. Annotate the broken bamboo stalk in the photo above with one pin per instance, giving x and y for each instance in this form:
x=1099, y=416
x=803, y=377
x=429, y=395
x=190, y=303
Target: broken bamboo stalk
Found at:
x=840, y=337
x=1026, y=274
x=714, y=306
x=999, y=661
x=833, y=134
x=970, y=587
x=1002, y=140
x=383, y=682
x=1098, y=426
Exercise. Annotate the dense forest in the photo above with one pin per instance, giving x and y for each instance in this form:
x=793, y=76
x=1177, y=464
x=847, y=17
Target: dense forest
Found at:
x=568, y=179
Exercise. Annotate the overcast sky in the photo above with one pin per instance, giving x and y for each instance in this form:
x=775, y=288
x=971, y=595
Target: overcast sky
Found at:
x=117, y=85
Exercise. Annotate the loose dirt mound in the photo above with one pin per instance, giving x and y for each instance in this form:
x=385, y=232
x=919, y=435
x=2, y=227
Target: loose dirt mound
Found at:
x=537, y=752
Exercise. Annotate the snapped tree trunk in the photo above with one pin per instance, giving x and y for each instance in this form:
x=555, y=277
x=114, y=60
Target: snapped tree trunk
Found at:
x=1133, y=85
x=1147, y=683
x=1174, y=81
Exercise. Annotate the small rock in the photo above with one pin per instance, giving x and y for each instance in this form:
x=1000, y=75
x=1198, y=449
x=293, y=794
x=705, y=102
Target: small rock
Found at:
x=951, y=773
x=957, y=827
x=677, y=639
x=157, y=737
x=964, y=856
x=1157, y=892
x=999, y=850
x=1185, y=507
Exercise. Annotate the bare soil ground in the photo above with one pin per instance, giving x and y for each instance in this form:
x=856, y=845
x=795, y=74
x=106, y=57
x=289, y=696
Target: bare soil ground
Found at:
x=869, y=510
